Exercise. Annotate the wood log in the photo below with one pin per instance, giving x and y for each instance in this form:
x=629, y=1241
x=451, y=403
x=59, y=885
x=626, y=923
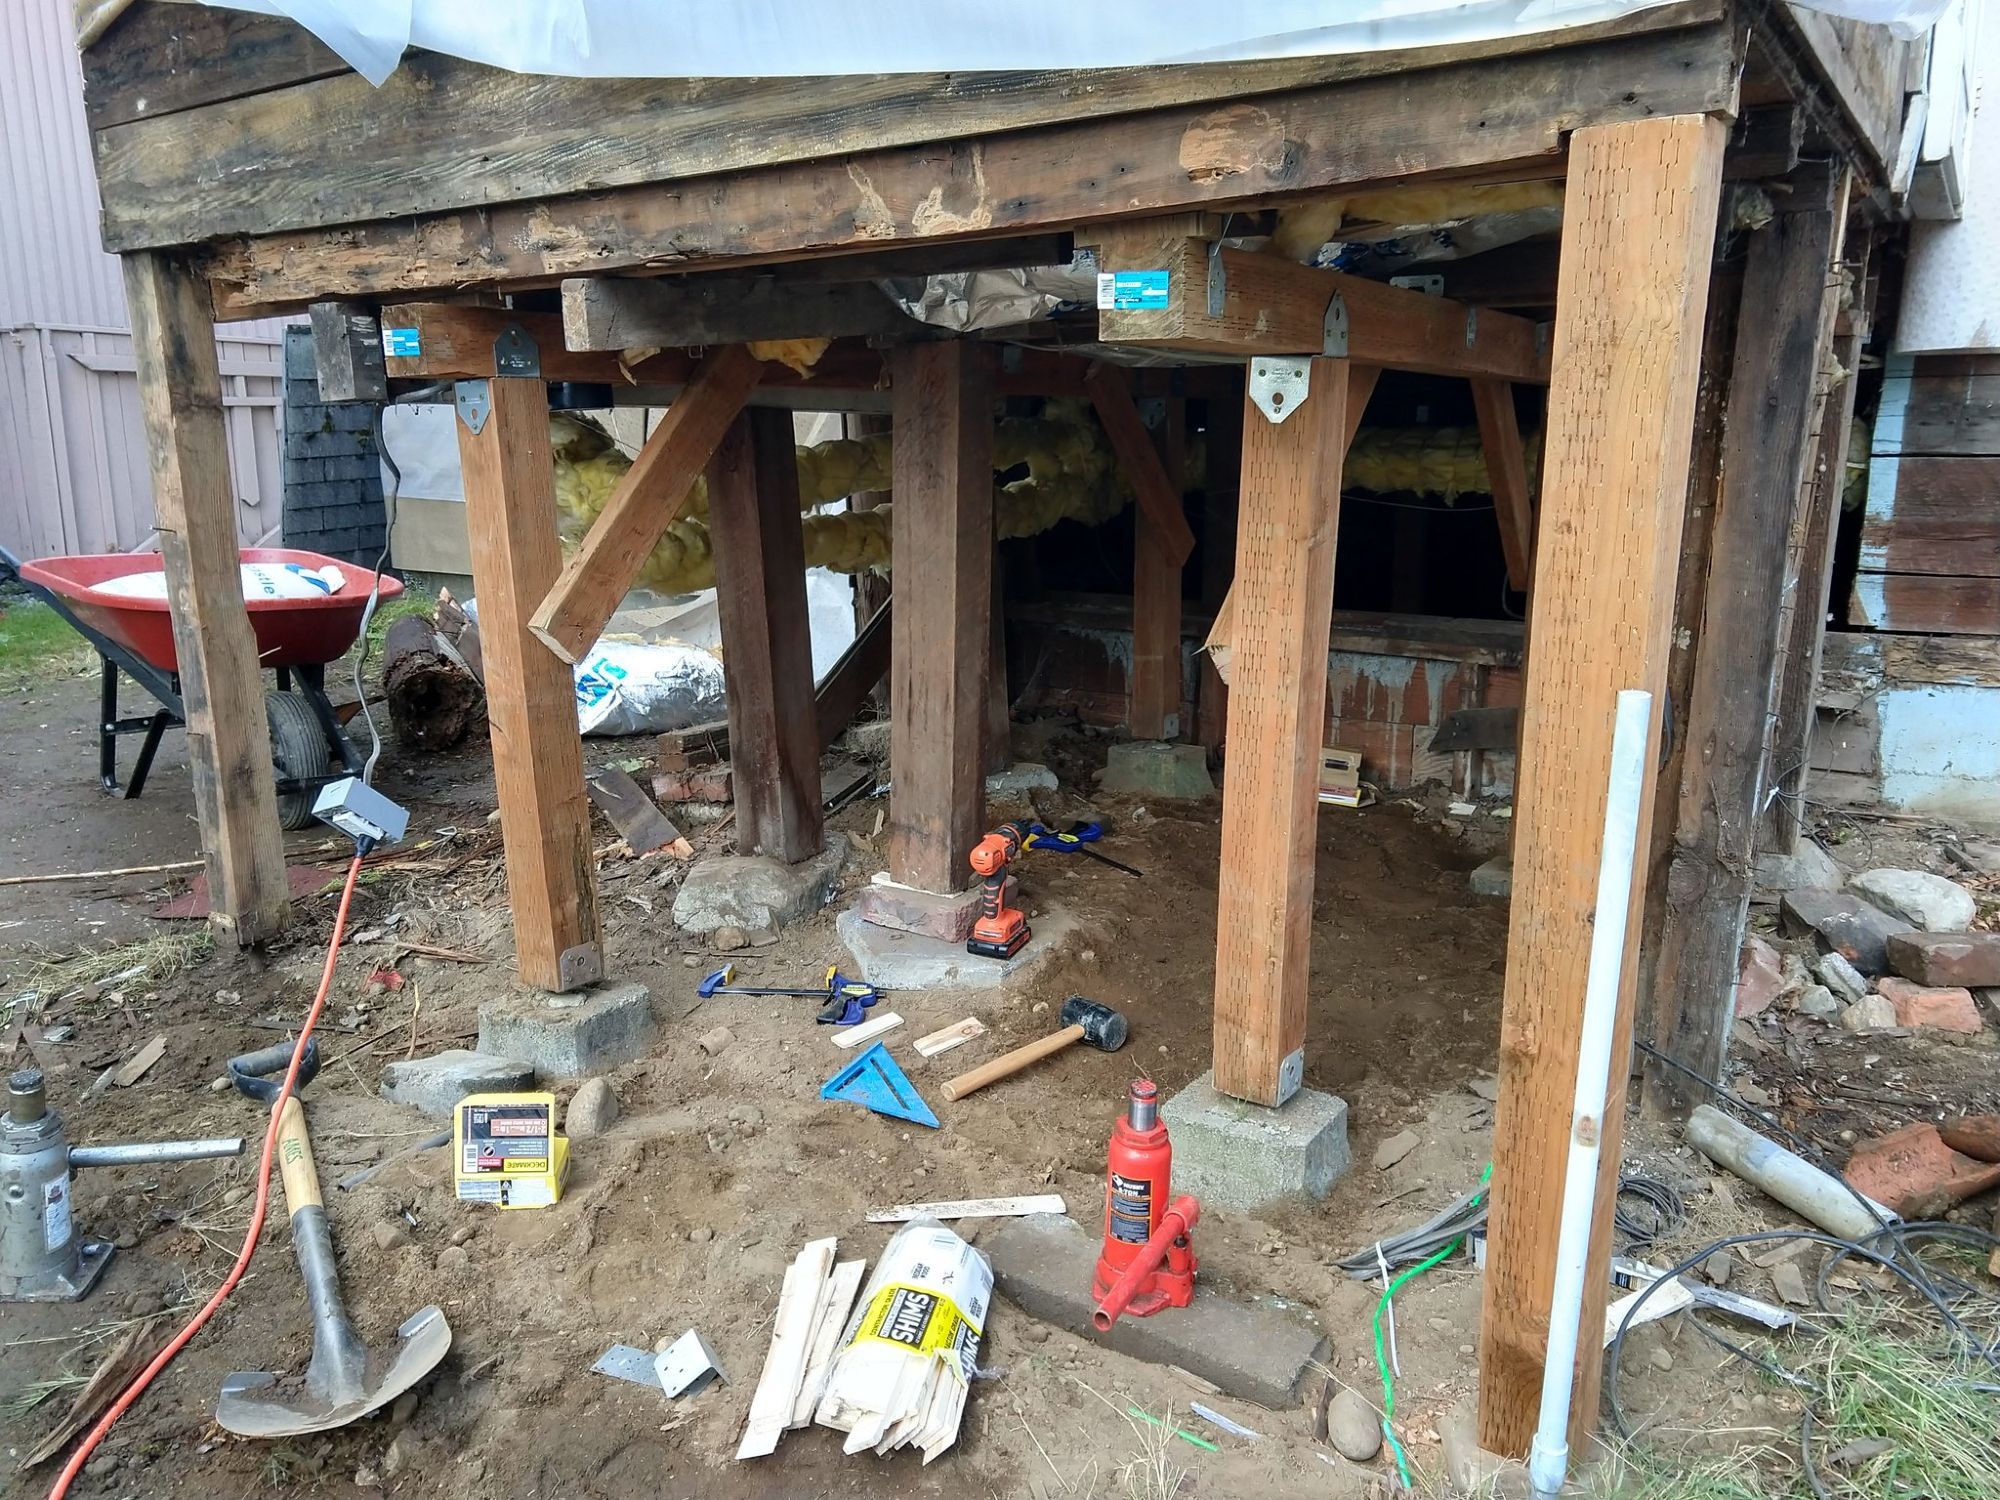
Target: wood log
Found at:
x=434, y=701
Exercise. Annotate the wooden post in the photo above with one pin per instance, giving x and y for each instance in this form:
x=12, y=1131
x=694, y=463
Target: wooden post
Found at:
x=1288, y=513
x=1782, y=331
x=510, y=515
x=1621, y=407
x=760, y=596
x=941, y=633
x=999, y=740
x=194, y=510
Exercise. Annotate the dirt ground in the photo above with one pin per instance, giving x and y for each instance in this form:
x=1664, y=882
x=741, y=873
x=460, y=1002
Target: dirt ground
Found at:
x=687, y=1212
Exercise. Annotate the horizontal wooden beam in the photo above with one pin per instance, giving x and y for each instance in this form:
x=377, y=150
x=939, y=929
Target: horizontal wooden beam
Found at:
x=1516, y=111
x=633, y=312
x=1222, y=301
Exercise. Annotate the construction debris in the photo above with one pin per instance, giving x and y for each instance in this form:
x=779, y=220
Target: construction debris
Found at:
x=801, y=1301
x=971, y=1208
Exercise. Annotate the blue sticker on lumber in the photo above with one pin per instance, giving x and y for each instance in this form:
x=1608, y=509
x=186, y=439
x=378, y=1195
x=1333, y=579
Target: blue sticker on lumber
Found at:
x=1131, y=291
x=401, y=343
x=874, y=1081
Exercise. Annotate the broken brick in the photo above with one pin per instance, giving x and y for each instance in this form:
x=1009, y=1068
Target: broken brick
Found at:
x=1914, y=1172
x=1760, y=978
x=1948, y=1008
x=1962, y=958
x=1978, y=1136
x=700, y=784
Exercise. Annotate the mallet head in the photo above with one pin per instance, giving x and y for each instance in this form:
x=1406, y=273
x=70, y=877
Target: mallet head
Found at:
x=1103, y=1027
x=715, y=981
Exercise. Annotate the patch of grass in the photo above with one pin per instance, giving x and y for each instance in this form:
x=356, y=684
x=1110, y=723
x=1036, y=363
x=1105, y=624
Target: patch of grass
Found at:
x=152, y=960
x=1898, y=1418
x=38, y=645
x=414, y=601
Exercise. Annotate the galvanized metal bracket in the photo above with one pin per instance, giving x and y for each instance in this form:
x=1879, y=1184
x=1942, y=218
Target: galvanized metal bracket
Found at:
x=515, y=353
x=1278, y=387
x=1333, y=328
x=1218, y=280
x=581, y=965
x=1471, y=327
x=1291, y=1075
x=1430, y=286
x=474, y=400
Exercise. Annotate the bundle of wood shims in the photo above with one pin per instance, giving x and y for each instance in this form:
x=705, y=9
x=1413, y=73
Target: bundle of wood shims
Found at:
x=901, y=1375
x=812, y=1311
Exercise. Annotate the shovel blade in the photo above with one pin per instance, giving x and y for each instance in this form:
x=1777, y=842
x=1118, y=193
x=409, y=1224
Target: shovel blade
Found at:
x=256, y=1403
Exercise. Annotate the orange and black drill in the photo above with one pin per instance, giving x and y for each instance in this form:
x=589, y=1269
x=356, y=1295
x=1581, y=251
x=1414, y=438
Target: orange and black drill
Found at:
x=1001, y=930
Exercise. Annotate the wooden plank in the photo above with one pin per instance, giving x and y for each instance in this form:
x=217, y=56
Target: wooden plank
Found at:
x=510, y=516
x=1786, y=319
x=1863, y=67
x=158, y=59
x=643, y=826
x=867, y=1031
x=1614, y=486
x=851, y=680
x=1507, y=473
x=1765, y=142
x=941, y=636
x=1517, y=275
x=971, y=1208
x=1925, y=604
x=648, y=498
x=1957, y=414
x=1910, y=659
x=1271, y=305
x=1289, y=510
x=194, y=514
x=1446, y=118
x=838, y=1301
x=626, y=312
x=1933, y=515
x=799, y=1302
x=760, y=595
x=347, y=352
x=339, y=151
x=947, y=1037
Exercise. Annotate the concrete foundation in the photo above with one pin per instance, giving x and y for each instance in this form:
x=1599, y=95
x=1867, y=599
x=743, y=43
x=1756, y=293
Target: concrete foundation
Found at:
x=569, y=1036
x=754, y=891
x=1494, y=878
x=1257, y=1351
x=1243, y=1156
x=434, y=1084
x=1147, y=768
x=909, y=961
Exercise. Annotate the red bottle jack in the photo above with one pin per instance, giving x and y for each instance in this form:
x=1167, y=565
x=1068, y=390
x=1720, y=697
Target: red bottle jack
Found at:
x=1146, y=1262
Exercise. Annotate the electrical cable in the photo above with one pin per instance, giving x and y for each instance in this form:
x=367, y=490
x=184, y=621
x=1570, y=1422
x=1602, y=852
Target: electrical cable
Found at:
x=1658, y=1209
x=165, y=1357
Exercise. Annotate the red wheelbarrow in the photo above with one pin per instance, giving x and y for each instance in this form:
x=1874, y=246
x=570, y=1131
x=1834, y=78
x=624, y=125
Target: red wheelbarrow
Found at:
x=295, y=637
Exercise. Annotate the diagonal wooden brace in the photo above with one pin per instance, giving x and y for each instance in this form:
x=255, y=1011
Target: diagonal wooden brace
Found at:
x=647, y=501
x=1110, y=391
x=1507, y=475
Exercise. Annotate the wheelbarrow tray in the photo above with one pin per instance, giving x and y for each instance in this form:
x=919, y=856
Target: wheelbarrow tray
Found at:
x=289, y=632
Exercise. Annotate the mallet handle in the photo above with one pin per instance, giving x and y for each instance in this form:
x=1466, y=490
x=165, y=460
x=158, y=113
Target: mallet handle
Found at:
x=295, y=1160
x=1012, y=1062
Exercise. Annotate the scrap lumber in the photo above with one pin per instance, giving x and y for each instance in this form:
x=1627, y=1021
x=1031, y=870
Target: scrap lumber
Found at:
x=434, y=700
x=836, y=1302
x=644, y=827
x=867, y=1031
x=799, y=1303
x=947, y=1037
x=971, y=1208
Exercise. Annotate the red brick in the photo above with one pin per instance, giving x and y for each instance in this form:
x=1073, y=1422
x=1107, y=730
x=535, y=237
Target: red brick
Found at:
x=1503, y=687
x=1914, y=1172
x=1978, y=1136
x=1949, y=1008
x=704, y=784
x=949, y=918
x=1964, y=958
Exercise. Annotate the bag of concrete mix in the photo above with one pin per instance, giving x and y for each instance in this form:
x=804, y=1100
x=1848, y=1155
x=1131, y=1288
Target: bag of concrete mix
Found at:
x=260, y=581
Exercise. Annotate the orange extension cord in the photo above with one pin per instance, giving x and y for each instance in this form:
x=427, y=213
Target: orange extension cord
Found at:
x=165, y=1357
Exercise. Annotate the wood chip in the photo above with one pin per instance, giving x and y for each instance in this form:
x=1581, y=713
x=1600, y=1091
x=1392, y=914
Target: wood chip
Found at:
x=867, y=1031
x=127, y=1358
x=970, y=1208
x=135, y=1066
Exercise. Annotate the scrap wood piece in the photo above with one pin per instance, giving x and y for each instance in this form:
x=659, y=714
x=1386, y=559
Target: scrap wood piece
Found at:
x=1735, y=1303
x=970, y=1208
x=1676, y=1298
x=867, y=1031
x=67, y=876
x=434, y=700
x=126, y=1359
x=947, y=1037
x=785, y=1361
x=136, y=1065
x=838, y=1301
x=633, y=814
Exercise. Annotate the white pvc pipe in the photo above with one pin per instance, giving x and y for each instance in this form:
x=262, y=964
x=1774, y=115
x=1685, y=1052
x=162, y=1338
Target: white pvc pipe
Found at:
x=1548, y=1460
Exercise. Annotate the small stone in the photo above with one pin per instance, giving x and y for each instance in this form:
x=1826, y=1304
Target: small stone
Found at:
x=592, y=1111
x=1661, y=1360
x=1789, y=1282
x=436, y=1083
x=1840, y=976
x=1817, y=1001
x=1148, y=768
x=453, y=1259
x=714, y=1040
x=389, y=1233
x=1352, y=1427
x=1486, y=1088
x=1977, y=1136
x=691, y=960
x=1935, y=1008
x=1760, y=977
x=144, y=1305
x=1919, y=898
x=728, y=939
x=366, y=1478
x=701, y=1234
x=1718, y=1268
x=103, y=1464
x=1471, y=1468
x=233, y=1196
x=125, y=1239
x=396, y=1456
x=464, y=1233
x=215, y=1086
x=1869, y=1013
x=749, y=1115
x=1394, y=1149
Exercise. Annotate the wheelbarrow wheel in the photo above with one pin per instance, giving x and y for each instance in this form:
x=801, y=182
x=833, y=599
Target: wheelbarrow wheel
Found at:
x=298, y=751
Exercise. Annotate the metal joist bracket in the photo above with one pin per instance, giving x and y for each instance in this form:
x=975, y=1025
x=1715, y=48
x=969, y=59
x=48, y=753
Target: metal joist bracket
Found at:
x=1279, y=386
x=515, y=353
x=1291, y=1074
x=474, y=400
x=1333, y=328
x=1218, y=280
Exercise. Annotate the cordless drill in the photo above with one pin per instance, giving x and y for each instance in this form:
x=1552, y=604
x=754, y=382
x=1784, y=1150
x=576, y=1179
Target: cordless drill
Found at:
x=1001, y=930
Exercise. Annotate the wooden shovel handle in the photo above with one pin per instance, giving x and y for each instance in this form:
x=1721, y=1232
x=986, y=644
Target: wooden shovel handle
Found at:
x=1011, y=1063
x=295, y=1159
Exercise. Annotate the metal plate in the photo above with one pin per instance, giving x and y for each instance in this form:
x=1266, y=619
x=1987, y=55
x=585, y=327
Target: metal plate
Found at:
x=623, y=1362
x=1291, y=1075
x=474, y=400
x=515, y=353
x=1333, y=328
x=1279, y=387
x=687, y=1365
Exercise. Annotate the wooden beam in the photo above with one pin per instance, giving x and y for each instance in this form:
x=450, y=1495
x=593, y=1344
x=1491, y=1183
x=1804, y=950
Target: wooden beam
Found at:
x=347, y=352
x=998, y=733
x=1614, y=485
x=1765, y=142
x=194, y=513
x=160, y=59
x=510, y=516
x=630, y=312
x=943, y=523
x=1288, y=512
x=852, y=678
x=1933, y=514
x=1158, y=492
x=649, y=497
x=1507, y=473
x=1925, y=604
x=1514, y=111
x=1270, y=305
x=1157, y=576
x=1782, y=330
x=760, y=594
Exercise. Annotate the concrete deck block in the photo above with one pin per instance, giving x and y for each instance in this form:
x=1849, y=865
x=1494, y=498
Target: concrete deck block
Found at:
x=1494, y=878
x=1148, y=768
x=1241, y=1156
x=570, y=1036
x=1255, y=1351
x=436, y=1083
x=755, y=891
x=910, y=961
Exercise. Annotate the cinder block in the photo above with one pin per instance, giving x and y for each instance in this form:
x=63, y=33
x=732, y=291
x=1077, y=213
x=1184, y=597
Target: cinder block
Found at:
x=570, y=1036
x=434, y=1084
x=1242, y=1156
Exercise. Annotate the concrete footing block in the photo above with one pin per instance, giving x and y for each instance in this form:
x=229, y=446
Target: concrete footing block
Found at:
x=755, y=891
x=570, y=1036
x=1235, y=1155
x=1494, y=878
x=1148, y=768
x=910, y=961
x=436, y=1083
x=1254, y=1351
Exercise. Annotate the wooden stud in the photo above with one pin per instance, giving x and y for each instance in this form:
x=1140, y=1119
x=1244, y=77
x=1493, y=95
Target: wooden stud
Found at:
x=760, y=594
x=1507, y=473
x=943, y=482
x=194, y=510
x=621, y=312
x=510, y=516
x=1782, y=333
x=1288, y=512
x=648, y=498
x=1614, y=486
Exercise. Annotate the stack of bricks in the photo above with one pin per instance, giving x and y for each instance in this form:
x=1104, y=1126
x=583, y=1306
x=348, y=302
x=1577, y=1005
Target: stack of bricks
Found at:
x=333, y=476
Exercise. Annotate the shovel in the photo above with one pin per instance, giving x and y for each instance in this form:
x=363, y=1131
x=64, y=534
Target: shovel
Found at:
x=345, y=1378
